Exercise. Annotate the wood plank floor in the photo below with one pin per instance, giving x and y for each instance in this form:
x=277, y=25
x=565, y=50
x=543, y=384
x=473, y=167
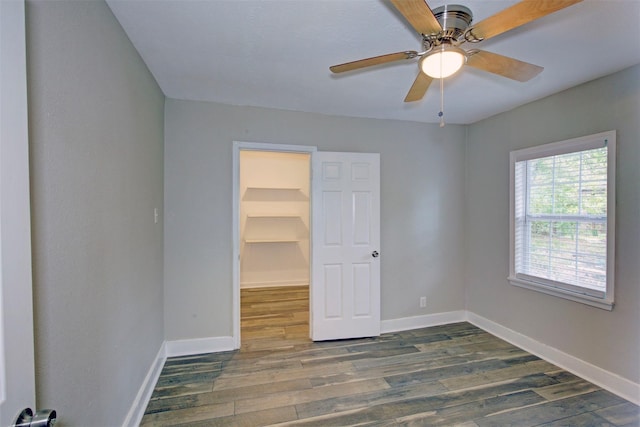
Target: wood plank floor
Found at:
x=274, y=316
x=452, y=375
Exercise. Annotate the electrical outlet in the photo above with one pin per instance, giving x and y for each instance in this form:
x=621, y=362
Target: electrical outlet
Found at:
x=423, y=302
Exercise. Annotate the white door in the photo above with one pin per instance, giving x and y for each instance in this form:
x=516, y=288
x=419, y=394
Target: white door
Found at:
x=345, y=277
x=17, y=378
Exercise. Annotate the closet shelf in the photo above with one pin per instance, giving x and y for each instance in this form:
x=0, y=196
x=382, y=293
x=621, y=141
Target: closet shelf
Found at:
x=275, y=240
x=273, y=216
x=274, y=194
x=276, y=188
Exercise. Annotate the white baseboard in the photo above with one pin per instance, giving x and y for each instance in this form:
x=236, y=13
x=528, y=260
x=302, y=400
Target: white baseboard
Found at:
x=416, y=322
x=197, y=346
x=608, y=380
x=170, y=349
x=134, y=417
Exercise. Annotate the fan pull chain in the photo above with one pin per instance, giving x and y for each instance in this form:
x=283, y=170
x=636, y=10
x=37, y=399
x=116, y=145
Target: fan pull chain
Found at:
x=441, y=113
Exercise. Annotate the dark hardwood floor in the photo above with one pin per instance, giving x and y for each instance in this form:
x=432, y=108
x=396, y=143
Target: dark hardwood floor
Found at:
x=452, y=375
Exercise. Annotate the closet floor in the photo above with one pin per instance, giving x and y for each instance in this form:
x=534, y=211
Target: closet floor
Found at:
x=274, y=317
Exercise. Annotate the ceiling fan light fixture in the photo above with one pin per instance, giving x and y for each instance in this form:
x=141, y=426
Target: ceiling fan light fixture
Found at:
x=443, y=61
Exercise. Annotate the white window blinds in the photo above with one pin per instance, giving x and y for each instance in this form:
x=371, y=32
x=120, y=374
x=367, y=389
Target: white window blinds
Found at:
x=561, y=202
x=562, y=221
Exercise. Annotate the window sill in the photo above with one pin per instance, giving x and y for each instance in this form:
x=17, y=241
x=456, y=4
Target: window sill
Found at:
x=604, y=304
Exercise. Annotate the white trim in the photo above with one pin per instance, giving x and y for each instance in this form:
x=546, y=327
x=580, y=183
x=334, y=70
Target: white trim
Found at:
x=608, y=380
x=198, y=346
x=17, y=373
x=235, y=213
x=562, y=293
x=417, y=322
x=134, y=417
x=567, y=146
x=170, y=349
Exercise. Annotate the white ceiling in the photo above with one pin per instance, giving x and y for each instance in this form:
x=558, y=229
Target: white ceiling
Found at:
x=277, y=53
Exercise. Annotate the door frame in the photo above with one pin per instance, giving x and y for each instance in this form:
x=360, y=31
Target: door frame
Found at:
x=17, y=389
x=235, y=220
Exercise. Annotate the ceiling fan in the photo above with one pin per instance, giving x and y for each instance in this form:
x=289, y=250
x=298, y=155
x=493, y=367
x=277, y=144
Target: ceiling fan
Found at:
x=445, y=28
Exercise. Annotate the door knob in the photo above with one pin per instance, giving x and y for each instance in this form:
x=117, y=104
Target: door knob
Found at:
x=375, y=254
x=23, y=419
x=42, y=418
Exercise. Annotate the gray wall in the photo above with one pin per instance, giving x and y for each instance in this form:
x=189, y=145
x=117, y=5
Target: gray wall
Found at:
x=96, y=142
x=606, y=339
x=422, y=169
x=96, y=124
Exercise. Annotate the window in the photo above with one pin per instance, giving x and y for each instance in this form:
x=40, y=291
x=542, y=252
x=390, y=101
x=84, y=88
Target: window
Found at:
x=563, y=219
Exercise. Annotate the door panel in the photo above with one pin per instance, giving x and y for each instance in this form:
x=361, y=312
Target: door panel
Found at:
x=345, y=290
x=333, y=291
x=332, y=218
x=362, y=290
x=362, y=218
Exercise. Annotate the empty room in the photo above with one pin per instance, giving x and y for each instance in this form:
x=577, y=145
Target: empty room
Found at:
x=455, y=244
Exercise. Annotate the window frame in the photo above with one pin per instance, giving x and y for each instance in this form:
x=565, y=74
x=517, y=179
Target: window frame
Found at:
x=558, y=289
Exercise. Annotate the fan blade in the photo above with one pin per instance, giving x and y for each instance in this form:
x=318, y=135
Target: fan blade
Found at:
x=419, y=15
x=503, y=65
x=515, y=16
x=418, y=88
x=376, y=60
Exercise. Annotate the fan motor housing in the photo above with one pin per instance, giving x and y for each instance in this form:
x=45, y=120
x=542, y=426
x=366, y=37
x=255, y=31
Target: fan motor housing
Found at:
x=454, y=20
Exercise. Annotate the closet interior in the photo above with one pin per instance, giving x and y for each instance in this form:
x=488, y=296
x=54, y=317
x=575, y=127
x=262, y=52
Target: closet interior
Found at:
x=274, y=244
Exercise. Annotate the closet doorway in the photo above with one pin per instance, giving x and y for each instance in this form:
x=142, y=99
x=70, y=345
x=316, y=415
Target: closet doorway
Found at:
x=342, y=239
x=274, y=245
